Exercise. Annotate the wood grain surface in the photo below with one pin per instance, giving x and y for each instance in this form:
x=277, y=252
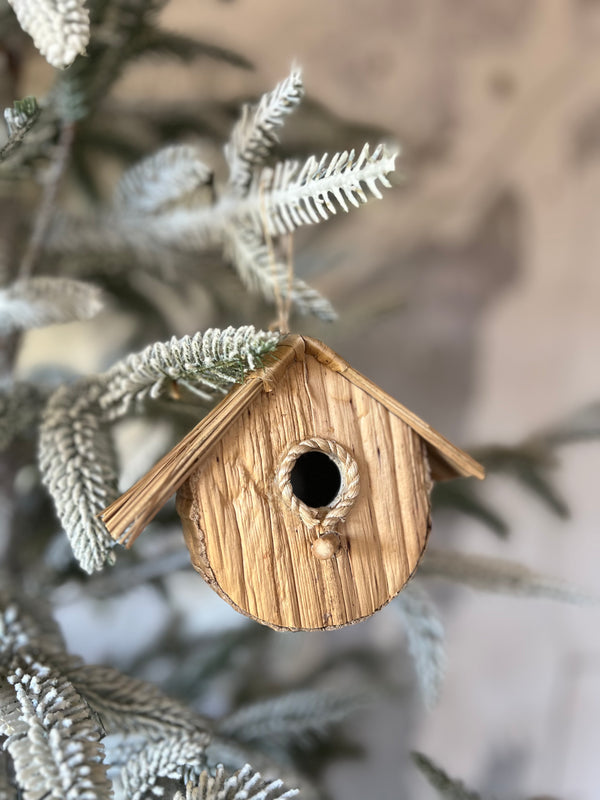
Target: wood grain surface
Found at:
x=257, y=553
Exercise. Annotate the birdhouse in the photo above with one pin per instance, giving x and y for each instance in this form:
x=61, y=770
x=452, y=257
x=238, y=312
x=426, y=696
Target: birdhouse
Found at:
x=304, y=495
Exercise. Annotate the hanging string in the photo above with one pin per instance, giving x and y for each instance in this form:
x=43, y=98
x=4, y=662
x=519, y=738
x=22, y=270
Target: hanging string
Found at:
x=283, y=303
x=290, y=279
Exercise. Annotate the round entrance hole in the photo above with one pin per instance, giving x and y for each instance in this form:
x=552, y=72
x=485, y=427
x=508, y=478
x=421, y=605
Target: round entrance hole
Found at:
x=315, y=479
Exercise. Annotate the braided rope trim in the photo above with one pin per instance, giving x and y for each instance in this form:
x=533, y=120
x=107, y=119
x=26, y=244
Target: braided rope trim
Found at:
x=324, y=519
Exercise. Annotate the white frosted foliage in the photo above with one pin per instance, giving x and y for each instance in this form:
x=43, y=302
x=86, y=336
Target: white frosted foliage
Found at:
x=173, y=174
x=60, y=29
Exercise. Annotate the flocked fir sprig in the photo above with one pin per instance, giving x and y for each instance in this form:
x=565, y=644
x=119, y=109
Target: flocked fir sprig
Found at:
x=245, y=784
x=72, y=731
x=77, y=457
x=55, y=710
x=172, y=200
x=40, y=301
x=19, y=119
x=60, y=29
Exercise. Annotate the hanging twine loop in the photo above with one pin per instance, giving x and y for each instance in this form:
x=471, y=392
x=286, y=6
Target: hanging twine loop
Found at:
x=324, y=520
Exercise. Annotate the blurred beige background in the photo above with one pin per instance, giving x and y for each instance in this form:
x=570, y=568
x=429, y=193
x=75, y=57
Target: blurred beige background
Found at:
x=493, y=244
x=483, y=266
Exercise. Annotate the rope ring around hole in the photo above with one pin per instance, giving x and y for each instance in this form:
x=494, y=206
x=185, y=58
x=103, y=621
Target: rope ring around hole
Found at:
x=337, y=512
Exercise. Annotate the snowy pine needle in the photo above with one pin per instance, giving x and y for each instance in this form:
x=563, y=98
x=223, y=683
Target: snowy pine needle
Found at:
x=51, y=737
x=54, y=710
x=244, y=246
x=20, y=115
x=60, y=29
x=245, y=784
x=256, y=202
x=425, y=634
x=172, y=175
x=254, y=135
x=37, y=302
x=177, y=757
x=293, y=718
x=19, y=119
x=78, y=465
x=211, y=362
x=25, y=626
x=294, y=195
x=76, y=452
x=128, y=706
x=498, y=575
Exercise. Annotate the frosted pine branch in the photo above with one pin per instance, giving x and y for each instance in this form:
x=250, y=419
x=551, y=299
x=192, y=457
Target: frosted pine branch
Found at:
x=51, y=737
x=247, y=249
x=168, y=201
x=25, y=626
x=448, y=788
x=282, y=198
x=78, y=466
x=498, y=575
x=211, y=361
x=41, y=301
x=291, y=195
x=425, y=634
x=76, y=451
x=245, y=784
x=292, y=718
x=19, y=118
x=128, y=706
x=177, y=757
x=60, y=29
x=254, y=135
x=21, y=404
x=232, y=753
x=173, y=174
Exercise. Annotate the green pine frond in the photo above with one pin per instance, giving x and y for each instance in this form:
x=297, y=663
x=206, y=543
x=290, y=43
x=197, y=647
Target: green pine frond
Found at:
x=530, y=464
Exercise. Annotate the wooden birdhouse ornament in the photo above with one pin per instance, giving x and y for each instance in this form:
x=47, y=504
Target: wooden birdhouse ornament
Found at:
x=304, y=494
